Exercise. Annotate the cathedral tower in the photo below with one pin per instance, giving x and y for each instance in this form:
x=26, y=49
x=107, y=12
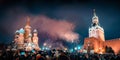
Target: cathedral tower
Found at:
x=96, y=30
x=27, y=29
x=35, y=40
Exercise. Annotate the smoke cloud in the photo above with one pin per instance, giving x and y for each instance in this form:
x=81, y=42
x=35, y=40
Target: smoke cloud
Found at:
x=56, y=29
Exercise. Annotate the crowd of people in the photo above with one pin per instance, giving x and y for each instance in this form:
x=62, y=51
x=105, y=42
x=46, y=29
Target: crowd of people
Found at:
x=53, y=55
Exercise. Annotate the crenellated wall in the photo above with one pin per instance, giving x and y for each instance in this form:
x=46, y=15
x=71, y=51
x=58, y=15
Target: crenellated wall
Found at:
x=114, y=44
x=99, y=45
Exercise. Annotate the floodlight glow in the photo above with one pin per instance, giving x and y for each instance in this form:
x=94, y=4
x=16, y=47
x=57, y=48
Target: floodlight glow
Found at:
x=43, y=48
x=75, y=48
x=46, y=48
x=79, y=47
x=71, y=50
x=44, y=44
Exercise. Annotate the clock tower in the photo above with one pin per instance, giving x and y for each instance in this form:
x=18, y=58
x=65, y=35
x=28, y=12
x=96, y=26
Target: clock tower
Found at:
x=96, y=30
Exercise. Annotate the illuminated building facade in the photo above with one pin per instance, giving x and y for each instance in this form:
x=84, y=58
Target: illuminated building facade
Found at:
x=96, y=40
x=24, y=39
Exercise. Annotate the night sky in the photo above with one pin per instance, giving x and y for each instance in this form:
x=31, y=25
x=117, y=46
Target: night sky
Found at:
x=78, y=12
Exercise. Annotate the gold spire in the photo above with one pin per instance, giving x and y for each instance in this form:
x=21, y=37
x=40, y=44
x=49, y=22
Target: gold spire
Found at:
x=94, y=12
x=28, y=21
x=95, y=17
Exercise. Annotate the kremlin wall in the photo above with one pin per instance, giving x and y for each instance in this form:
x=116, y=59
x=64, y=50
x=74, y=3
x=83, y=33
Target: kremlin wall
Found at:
x=114, y=43
x=96, y=41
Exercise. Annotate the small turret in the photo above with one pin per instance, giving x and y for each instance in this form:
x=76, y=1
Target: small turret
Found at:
x=35, y=39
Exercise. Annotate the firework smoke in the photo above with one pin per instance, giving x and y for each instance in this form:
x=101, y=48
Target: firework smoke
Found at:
x=56, y=29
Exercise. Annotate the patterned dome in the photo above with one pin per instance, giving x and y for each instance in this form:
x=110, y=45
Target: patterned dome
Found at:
x=35, y=31
x=21, y=31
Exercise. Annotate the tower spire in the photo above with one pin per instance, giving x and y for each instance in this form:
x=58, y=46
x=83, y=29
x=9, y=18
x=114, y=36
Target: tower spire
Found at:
x=28, y=21
x=94, y=12
x=95, y=19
